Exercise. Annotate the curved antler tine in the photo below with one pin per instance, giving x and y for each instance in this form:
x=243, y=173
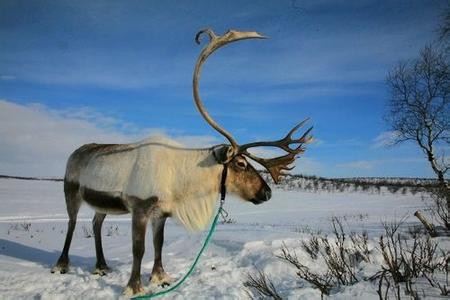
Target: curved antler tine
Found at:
x=215, y=43
x=304, y=138
x=235, y=35
x=289, y=168
x=208, y=31
x=290, y=133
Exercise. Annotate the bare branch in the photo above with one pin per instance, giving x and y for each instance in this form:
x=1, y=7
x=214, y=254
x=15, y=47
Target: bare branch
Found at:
x=262, y=284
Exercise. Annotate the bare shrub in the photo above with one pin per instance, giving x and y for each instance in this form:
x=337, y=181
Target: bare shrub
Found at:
x=112, y=230
x=306, y=229
x=438, y=206
x=407, y=258
x=24, y=226
x=442, y=266
x=323, y=282
x=87, y=232
x=408, y=255
x=339, y=258
x=262, y=285
x=342, y=254
x=360, y=244
x=311, y=246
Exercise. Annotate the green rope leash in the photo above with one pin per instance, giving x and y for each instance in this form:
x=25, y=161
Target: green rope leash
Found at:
x=220, y=211
x=205, y=243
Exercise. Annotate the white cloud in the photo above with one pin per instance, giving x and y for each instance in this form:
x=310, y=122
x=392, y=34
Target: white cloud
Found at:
x=379, y=167
x=36, y=141
x=361, y=165
x=7, y=77
x=385, y=139
x=308, y=166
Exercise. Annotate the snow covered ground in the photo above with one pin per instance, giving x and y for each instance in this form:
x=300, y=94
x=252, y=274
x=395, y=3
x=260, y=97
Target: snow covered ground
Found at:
x=33, y=225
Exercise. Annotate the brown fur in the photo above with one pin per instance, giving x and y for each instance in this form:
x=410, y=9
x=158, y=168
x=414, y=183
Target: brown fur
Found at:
x=246, y=182
x=103, y=200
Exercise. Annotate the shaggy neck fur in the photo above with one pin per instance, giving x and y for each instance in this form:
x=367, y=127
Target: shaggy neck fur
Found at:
x=197, y=193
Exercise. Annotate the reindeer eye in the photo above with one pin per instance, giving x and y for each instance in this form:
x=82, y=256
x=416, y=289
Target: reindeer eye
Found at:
x=241, y=164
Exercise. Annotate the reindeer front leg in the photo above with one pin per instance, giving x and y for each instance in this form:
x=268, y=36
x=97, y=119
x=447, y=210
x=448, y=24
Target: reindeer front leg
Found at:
x=159, y=276
x=139, y=226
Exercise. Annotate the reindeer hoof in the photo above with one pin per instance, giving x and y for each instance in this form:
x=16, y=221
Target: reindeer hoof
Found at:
x=60, y=269
x=161, y=279
x=101, y=270
x=133, y=290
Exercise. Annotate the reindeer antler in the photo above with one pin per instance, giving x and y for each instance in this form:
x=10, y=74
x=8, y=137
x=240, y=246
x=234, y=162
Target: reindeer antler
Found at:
x=215, y=42
x=276, y=165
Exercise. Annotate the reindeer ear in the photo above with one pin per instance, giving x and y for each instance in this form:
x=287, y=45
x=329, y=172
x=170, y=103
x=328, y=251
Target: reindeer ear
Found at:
x=223, y=153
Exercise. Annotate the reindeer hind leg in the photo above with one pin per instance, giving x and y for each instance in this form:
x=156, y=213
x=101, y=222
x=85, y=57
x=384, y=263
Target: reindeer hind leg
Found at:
x=100, y=267
x=139, y=226
x=73, y=202
x=159, y=276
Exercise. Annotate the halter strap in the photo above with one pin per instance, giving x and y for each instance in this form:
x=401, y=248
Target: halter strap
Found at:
x=223, y=187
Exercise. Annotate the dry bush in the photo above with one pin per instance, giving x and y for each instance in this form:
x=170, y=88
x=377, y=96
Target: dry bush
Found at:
x=23, y=226
x=112, y=230
x=26, y=226
x=323, y=282
x=439, y=267
x=360, y=243
x=261, y=285
x=341, y=254
x=438, y=207
x=87, y=232
x=312, y=246
x=406, y=259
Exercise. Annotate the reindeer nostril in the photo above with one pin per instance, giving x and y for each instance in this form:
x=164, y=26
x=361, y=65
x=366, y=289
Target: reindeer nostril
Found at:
x=268, y=194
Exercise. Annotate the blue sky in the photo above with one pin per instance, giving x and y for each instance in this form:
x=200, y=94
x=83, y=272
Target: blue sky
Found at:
x=115, y=71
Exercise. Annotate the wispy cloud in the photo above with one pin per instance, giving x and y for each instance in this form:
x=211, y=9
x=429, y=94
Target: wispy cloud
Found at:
x=360, y=165
x=379, y=163
x=7, y=77
x=385, y=139
x=339, y=143
x=309, y=166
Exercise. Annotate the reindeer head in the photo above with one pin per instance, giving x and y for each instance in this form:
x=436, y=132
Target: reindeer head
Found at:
x=243, y=179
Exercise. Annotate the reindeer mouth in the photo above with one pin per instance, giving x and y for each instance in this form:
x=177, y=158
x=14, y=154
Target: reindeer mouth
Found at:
x=263, y=196
x=257, y=201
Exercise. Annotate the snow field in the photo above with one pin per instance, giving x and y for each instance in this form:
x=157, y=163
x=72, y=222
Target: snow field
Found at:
x=27, y=252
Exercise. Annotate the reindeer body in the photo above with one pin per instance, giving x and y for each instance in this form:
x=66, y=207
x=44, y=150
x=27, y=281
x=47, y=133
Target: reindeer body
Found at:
x=152, y=179
x=182, y=182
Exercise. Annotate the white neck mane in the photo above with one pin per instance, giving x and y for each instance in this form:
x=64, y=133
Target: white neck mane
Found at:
x=189, y=183
x=198, y=190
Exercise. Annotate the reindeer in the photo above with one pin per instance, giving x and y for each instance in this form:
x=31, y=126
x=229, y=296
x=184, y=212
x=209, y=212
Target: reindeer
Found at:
x=158, y=178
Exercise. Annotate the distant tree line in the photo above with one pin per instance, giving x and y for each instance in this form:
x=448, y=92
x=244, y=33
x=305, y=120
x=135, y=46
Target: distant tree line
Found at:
x=359, y=184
